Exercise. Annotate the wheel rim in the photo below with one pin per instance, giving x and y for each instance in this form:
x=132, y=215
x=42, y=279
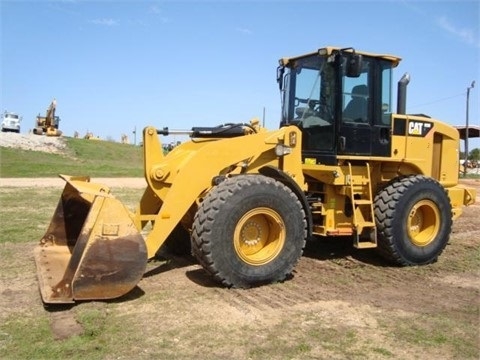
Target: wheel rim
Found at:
x=259, y=236
x=423, y=222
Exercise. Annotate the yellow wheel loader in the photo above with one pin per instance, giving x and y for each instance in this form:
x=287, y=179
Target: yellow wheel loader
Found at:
x=245, y=200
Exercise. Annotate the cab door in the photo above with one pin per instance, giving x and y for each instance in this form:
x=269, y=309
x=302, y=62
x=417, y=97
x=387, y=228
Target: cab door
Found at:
x=355, y=130
x=366, y=117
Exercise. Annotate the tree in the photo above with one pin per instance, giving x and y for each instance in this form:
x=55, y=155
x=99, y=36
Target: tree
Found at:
x=474, y=155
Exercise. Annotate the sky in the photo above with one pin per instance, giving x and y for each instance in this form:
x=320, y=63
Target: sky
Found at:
x=117, y=66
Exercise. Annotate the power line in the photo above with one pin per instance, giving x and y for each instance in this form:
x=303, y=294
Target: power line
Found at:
x=437, y=101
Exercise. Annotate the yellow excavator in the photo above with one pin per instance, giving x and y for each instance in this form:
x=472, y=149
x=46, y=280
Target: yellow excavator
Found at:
x=245, y=199
x=49, y=123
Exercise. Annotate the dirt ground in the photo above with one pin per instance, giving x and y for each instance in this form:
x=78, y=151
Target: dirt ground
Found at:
x=333, y=284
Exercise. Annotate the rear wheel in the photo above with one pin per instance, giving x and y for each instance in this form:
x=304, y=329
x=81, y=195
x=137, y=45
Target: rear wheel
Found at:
x=414, y=220
x=249, y=230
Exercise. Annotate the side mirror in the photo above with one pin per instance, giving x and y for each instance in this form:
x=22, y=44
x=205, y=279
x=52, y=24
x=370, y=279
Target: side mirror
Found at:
x=280, y=72
x=354, y=65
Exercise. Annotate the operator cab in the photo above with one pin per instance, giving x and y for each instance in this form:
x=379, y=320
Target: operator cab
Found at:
x=342, y=101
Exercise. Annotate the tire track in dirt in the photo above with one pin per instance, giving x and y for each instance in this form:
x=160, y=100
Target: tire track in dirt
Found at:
x=356, y=278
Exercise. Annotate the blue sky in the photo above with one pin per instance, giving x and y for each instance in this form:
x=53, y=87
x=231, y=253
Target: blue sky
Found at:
x=118, y=65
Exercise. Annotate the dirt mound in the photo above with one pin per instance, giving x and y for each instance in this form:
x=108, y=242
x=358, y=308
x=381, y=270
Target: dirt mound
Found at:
x=34, y=142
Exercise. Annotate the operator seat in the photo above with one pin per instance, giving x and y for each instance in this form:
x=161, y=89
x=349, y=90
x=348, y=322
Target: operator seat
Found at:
x=357, y=109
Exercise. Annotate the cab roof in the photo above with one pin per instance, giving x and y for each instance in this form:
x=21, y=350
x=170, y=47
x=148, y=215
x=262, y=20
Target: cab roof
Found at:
x=327, y=51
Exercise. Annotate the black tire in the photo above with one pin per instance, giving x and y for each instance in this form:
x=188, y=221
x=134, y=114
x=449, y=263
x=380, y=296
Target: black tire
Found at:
x=413, y=215
x=249, y=230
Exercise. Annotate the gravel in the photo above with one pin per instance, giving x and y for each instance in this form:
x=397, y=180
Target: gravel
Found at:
x=49, y=144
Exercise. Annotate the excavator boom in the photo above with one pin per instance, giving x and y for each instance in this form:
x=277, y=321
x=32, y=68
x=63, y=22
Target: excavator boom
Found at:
x=48, y=124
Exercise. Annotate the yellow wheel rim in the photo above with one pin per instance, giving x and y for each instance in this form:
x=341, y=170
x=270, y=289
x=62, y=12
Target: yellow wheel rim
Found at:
x=259, y=236
x=423, y=223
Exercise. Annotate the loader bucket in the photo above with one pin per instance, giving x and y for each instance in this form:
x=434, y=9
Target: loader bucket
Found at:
x=92, y=249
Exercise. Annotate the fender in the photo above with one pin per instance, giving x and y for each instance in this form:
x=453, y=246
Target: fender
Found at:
x=286, y=180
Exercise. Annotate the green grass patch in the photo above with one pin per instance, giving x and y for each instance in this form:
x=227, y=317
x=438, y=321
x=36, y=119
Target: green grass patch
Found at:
x=300, y=339
x=29, y=336
x=470, y=176
x=25, y=213
x=458, y=334
x=82, y=157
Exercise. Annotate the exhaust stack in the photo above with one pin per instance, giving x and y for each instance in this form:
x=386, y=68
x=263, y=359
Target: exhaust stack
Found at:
x=402, y=94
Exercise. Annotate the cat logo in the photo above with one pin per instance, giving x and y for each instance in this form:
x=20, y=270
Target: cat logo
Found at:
x=419, y=128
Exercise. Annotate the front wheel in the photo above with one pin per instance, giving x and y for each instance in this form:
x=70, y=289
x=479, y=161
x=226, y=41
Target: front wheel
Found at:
x=249, y=230
x=414, y=220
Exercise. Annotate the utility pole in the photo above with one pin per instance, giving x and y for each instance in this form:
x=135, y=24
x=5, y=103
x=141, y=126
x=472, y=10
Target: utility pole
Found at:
x=466, y=128
x=134, y=136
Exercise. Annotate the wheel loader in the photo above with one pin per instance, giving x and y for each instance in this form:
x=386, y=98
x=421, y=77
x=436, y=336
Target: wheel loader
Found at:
x=246, y=199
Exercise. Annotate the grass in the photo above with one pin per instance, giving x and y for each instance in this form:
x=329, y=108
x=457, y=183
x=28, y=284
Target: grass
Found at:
x=31, y=338
x=470, y=176
x=27, y=334
x=82, y=157
x=16, y=212
x=439, y=330
x=109, y=333
x=32, y=220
